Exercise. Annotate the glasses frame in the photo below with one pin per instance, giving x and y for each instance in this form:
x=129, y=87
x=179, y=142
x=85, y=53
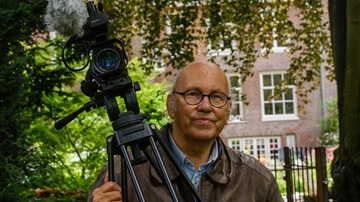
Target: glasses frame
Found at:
x=202, y=97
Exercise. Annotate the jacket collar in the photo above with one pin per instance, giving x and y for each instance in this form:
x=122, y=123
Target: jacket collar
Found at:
x=220, y=173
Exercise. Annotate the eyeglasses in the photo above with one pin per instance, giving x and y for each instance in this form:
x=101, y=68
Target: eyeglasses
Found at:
x=194, y=97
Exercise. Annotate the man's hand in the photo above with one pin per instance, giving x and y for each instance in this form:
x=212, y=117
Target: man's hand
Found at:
x=109, y=191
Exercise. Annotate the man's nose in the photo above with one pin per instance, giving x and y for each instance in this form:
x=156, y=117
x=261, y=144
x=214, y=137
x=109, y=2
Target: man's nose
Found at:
x=205, y=104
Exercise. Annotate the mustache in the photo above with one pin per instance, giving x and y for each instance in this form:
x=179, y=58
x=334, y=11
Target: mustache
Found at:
x=204, y=116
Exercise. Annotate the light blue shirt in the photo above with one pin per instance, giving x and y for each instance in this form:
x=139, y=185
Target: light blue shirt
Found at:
x=188, y=166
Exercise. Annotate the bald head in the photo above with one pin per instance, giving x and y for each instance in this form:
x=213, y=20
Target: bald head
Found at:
x=198, y=69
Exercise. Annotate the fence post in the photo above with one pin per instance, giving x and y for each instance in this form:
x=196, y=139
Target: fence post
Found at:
x=321, y=175
x=288, y=176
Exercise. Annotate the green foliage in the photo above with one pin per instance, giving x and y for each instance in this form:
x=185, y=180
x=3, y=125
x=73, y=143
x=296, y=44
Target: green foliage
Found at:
x=152, y=96
x=177, y=32
x=24, y=81
x=330, y=126
x=78, y=151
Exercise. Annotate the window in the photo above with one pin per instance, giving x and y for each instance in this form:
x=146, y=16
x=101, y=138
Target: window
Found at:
x=279, y=46
x=263, y=148
x=278, y=98
x=226, y=44
x=224, y=47
x=237, y=105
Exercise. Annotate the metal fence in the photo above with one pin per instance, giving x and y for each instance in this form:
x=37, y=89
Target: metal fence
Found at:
x=304, y=172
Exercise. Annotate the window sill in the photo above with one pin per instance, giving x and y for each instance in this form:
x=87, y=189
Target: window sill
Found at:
x=280, y=118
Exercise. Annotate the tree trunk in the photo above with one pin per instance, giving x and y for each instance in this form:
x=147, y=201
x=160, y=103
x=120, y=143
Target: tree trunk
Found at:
x=345, y=35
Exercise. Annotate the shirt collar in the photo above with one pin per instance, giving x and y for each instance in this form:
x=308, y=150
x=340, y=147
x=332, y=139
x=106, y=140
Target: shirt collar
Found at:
x=182, y=159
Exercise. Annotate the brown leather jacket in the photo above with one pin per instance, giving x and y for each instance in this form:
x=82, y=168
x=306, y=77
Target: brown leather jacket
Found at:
x=235, y=177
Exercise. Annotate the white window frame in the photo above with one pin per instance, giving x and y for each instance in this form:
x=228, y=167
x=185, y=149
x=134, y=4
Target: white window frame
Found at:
x=277, y=117
x=236, y=98
x=221, y=51
x=251, y=146
x=276, y=48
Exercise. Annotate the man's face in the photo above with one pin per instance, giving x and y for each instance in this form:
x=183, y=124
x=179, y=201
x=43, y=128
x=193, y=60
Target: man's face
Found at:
x=203, y=121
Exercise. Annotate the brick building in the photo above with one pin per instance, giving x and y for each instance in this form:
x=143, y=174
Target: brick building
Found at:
x=260, y=127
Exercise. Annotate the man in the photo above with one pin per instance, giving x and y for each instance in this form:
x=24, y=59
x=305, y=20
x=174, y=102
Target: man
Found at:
x=199, y=106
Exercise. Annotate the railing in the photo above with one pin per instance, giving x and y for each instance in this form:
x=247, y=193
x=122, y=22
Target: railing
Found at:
x=304, y=171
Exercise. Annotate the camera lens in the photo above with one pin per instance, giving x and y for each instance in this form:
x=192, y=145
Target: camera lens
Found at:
x=107, y=59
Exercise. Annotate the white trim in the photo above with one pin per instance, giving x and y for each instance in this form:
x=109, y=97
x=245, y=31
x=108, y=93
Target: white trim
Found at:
x=239, y=102
x=251, y=146
x=221, y=51
x=277, y=117
x=275, y=48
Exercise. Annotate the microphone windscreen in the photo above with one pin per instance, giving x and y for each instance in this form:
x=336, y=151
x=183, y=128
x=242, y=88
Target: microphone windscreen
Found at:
x=66, y=17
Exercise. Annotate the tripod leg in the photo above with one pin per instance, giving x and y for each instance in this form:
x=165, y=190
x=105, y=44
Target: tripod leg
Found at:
x=124, y=181
x=163, y=171
x=129, y=167
x=110, y=152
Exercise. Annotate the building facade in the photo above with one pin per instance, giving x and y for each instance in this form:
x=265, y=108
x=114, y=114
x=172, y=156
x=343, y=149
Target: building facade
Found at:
x=260, y=126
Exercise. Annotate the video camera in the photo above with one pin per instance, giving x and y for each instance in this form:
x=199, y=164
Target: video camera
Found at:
x=107, y=73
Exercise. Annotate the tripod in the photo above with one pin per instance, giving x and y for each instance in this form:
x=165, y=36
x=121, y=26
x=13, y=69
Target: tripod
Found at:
x=130, y=131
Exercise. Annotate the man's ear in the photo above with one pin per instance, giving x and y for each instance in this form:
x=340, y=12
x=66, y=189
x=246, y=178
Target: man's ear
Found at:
x=170, y=105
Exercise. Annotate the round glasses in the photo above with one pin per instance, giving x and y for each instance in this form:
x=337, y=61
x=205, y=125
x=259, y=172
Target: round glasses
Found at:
x=194, y=97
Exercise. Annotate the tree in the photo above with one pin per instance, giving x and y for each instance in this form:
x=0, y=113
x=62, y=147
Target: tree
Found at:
x=345, y=30
x=193, y=24
x=24, y=80
x=79, y=149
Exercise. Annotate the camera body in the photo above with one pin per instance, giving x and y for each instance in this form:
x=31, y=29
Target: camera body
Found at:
x=108, y=60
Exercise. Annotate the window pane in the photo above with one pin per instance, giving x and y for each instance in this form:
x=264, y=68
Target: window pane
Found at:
x=267, y=94
x=289, y=107
x=280, y=42
x=286, y=79
x=235, y=144
x=277, y=79
x=235, y=96
x=248, y=144
x=236, y=109
x=267, y=80
x=260, y=145
x=234, y=81
x=249, y=148
x=278, y=94
x=235, y=87
x=289, y=94
x=226, y=43
x=279, y=108
x=268, y=108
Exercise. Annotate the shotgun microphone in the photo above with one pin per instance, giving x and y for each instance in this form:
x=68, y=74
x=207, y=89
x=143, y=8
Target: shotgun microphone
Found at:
x=66, y=17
